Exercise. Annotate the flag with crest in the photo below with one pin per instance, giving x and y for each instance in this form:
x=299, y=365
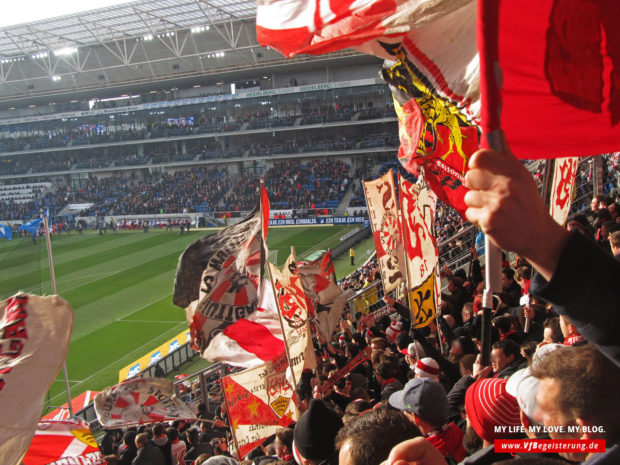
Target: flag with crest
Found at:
x=386, y=229
x=219, y=276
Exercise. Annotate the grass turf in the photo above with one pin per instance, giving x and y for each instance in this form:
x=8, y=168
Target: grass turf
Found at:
x=120, y=287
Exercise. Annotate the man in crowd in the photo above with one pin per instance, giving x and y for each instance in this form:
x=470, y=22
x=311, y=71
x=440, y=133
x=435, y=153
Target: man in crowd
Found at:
x=425, y=403
x=148, y=453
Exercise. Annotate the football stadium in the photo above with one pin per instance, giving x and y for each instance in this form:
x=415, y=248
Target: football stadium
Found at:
x=275, y=238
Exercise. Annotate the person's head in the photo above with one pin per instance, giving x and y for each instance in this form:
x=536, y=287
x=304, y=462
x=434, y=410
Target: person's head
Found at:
x=369, y=438
x=283, y=442
x=159, y=429
x=141, y=440
x=567, y=327
x=454, y=283
x=552, y=332
x=129, y=438
x=384, y=371
x=424, y=402
x=427, y=368
x=578, y=388
x=507, y=277
x=595, y=204
x=354, y=408
x=578, y=222
x=173, y=434
x=503, y=323
x=468, y=311
x=503, y=353
x=378, y=343
x=315, y=432
x=607, y=228
x=527, y=350
x=466, y=364
x=489, y=407
x=522, y=276
x=614, y=241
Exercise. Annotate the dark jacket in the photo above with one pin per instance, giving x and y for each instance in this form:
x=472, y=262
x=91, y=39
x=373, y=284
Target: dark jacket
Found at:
x=149, y=455
x=586, y=278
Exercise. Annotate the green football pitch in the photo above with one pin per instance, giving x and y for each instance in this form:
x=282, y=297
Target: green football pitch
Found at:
x=120, y=287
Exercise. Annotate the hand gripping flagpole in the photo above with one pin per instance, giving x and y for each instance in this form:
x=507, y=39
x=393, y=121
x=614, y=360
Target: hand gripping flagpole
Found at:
x=53, y=276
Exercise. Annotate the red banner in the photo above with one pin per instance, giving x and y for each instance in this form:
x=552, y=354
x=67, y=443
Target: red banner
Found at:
x=551, y=75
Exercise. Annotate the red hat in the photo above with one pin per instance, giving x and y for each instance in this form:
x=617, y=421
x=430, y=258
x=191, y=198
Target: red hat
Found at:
x=488, y=405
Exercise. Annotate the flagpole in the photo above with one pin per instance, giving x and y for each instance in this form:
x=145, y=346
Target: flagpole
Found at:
x=406, y=260
x=53, y=276
x=288, y=355
x=492, y=272
x=230, y=423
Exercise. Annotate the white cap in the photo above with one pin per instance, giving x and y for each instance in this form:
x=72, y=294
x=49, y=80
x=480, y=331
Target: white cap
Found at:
x=524, y=387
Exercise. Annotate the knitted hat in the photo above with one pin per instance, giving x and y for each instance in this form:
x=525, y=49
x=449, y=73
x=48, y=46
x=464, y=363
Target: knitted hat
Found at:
x=488, y=405
x=424, y=397
x=393, y=330
x=427, y=368
x=315, y=432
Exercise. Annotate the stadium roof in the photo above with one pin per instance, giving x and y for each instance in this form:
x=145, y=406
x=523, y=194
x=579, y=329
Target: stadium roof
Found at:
x=128, y=20
x=131, y=46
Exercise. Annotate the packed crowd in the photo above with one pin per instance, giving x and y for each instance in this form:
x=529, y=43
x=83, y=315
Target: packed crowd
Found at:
x=426, y=389
x=200, y=120
x=290, y=184
x=203, y=150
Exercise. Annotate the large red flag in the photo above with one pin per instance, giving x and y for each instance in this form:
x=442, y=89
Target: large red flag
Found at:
x=431, y=66
x=557, y=63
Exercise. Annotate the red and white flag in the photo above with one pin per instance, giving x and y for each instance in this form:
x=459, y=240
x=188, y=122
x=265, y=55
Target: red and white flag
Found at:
x=219, y=276
x=34, y=340
x=431, y=65
x=250, y=341
x=386, y=229
x=77, y=404
x=418, y=205
x=327, y=266
x=551, y=75
x=63, y=442
x=294, y=317
x=563, y=188
x=324, y=299
x=138, y=401
x=259, y=401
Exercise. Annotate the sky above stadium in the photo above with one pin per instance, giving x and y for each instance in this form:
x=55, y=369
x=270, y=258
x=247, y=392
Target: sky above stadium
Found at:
x=35, y=10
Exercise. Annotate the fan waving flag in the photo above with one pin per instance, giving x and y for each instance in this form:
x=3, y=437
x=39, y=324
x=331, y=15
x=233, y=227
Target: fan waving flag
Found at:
x=34, y=337
x=386, y=229
x=558, y=62
x=218, y=277
x=139, y=401
x=63, y=442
